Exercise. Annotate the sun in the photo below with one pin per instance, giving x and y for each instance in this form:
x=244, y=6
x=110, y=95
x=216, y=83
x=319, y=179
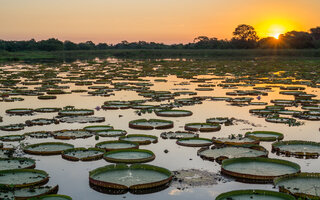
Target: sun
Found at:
x=276, y=30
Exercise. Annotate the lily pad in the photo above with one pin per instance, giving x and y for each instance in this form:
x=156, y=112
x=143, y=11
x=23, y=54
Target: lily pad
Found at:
x=129, y=156
x=265, y=135
x=254, y=195
x=47, y=148
x=22, y=177
x=150, y=124
x=117, y=145
x=194, y=142
x=178, y=135
x=83, y=154
x=140, y=138
x=173, y=113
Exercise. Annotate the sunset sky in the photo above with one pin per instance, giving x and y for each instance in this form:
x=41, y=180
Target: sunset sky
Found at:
x=168, y=21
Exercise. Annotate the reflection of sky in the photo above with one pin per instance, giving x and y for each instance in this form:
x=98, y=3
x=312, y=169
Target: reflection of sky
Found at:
x=72, y=177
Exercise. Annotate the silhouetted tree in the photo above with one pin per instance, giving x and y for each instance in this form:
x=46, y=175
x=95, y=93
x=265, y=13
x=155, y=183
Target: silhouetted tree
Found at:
x=244, y=36
x=315, y=33
x=297, y=40
x=269, y=43
x=51, y=44
x=68, y=45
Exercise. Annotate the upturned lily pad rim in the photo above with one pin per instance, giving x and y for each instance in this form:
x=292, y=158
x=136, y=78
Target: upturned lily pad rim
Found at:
x=35, y=132
x=26, y=150
x=227, y=195
x=219, y=142
x=181, y=142
x=88, y=158
x=33, y=162
x=213, y=127
x=166, y=113
x=251, y=177
x=155, y=138
x=169, y=124
x=276, y=148
x=41, y=182
x=52, y=195
x=136, y=145
x=140, y=160
x=21, y=137
x=277, y=180
x=52, y=190
x=95, y=126
x=255, y=135
x=133, y=166
x=164, y=135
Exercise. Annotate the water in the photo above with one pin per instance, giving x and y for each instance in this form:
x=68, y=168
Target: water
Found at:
x=66, y=173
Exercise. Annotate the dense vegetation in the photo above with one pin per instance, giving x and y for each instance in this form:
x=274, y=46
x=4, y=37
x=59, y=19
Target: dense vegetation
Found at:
x=244, y=37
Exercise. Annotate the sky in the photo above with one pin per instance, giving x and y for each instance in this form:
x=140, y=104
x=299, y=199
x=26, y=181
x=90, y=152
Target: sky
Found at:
x=167, y=21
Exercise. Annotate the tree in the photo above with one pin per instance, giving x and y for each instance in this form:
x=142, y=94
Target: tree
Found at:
x=68, y=45
x=315, y=32
x=51, y=44
x=297, y=40
x=244, y=36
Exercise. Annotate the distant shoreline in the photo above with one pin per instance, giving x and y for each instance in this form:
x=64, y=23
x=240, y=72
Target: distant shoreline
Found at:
x=6, y=56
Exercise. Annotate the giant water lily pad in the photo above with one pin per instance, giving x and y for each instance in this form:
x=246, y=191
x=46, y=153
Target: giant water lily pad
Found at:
x=194, y=142
x=83, y=154
x=22, y=177
x=297, y=148
x=12, y=127
x=150, y=124
x=258, y=169
x=117, y=145
x=98, y=128
x=111, y=133
x=235, y=140
x=47, y=110
x=71, y=134
x=173, y=113
x=11, y=138
x=202, y=127
x=47, y=148
x=265, y=135
x=76, y=112
x=219, y=120
x=178, y=135
x=129, y=156
x=254, y=195
x=17, y=163
x=39, y=134
x=133, y=177
x=20, y=111
x=40, y=121
x=227, y=152
x=35, y=191
x=81, y=119
x=301, y=185
x=141, y=139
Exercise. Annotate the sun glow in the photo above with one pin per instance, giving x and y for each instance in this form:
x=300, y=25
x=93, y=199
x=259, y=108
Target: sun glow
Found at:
x=276, y=30
x=275, y=27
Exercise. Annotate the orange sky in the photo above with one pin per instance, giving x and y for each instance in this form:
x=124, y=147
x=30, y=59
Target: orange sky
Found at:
x=168, y=21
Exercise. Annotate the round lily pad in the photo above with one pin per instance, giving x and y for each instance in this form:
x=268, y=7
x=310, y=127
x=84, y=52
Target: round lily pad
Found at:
x=40, y=122
x=111, y=133
x=81, y=119
x=173, y=113
x=265, y=135
x=22, y=177
x=297, y=148
x=219, y=120
x=117, y=145
x=20, y=111
x=254, y=195
x=140, y=138
x=129, y=156
x=47, y=148
x=258, y=169
x=39, y=134
x=230, y=141
x=178, y=135
x=35, y=191
x=11, y=138
x=83, y=154
x=17, y=163
x=194, y=142
x=220, y=154
x=98, y=128
x=202, y=127
x=12, y=127
x=47, y=110
x=150, y=124
x=71, y=134
x=76, y=112
x=133, y=177
x=301, y=185
x=280, y=120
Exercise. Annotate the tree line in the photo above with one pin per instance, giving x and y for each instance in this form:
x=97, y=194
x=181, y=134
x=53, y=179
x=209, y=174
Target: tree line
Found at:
x=244, y=37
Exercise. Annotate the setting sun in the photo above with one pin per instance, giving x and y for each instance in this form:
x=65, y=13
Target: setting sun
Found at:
x=276, y=30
